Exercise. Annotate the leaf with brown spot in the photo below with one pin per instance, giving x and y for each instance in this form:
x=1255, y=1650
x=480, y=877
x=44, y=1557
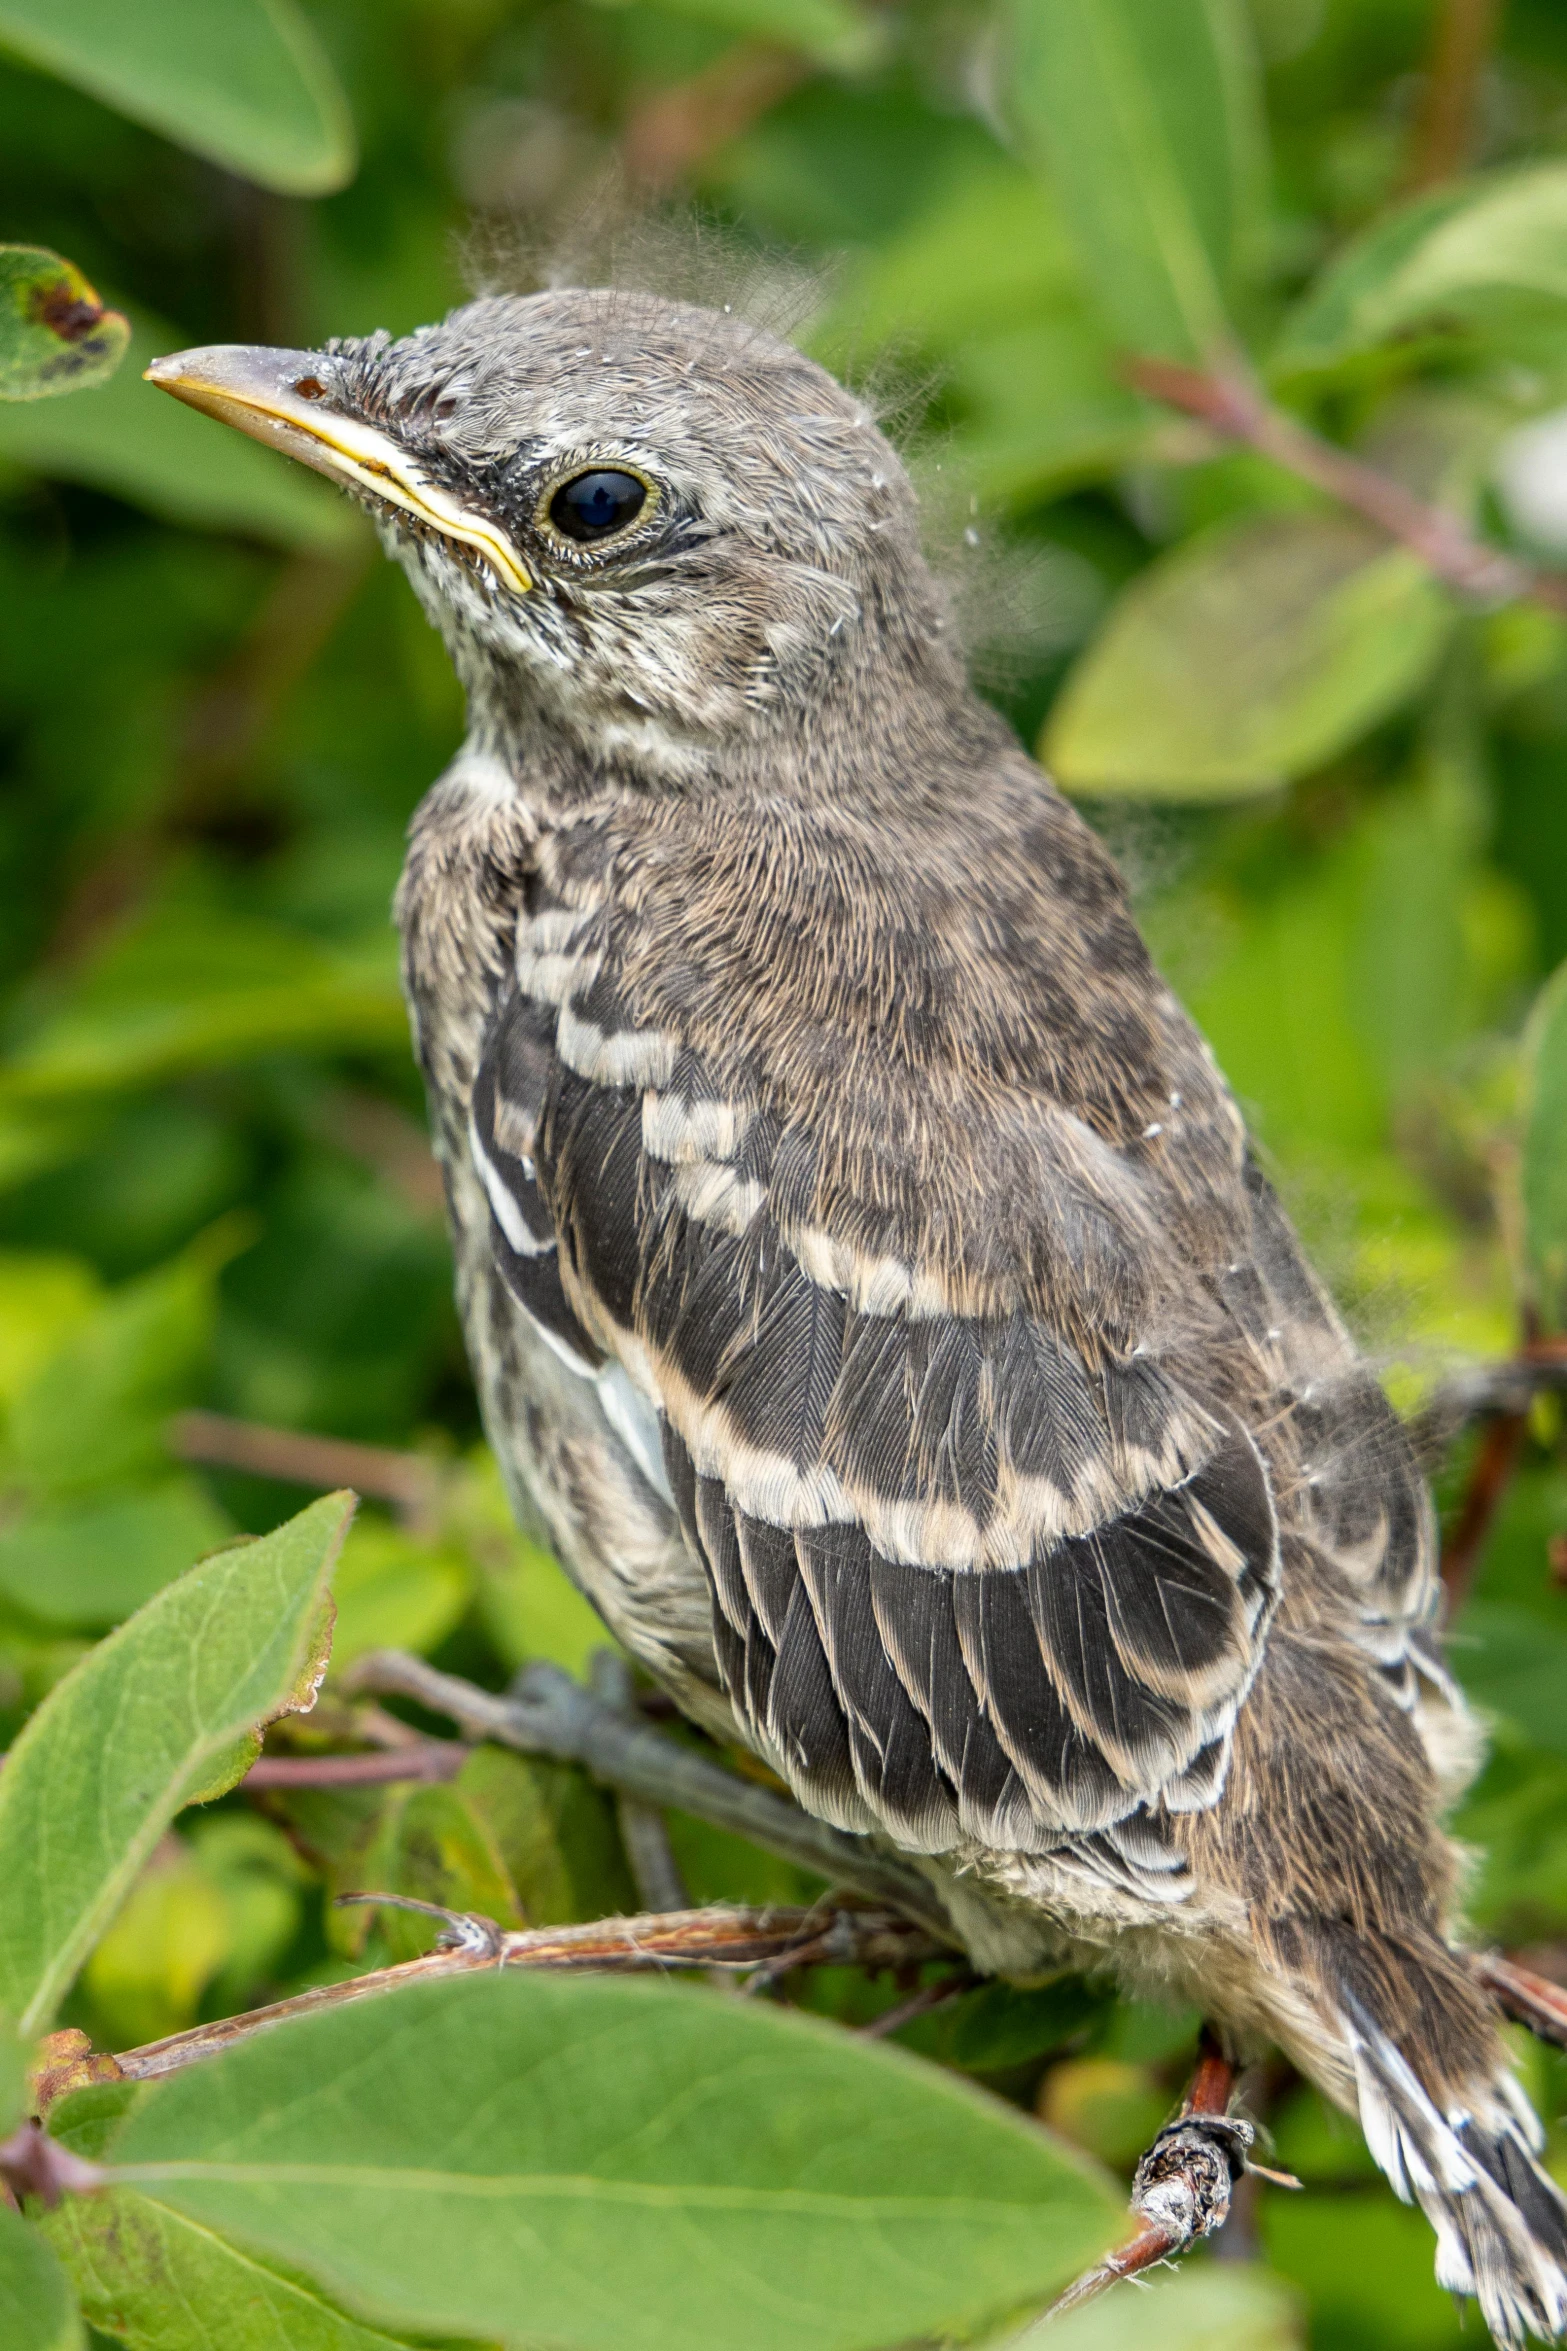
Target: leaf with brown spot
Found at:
x=55, y=334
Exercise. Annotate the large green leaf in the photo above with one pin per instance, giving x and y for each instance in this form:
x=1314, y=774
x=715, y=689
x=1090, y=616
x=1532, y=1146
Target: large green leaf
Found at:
x=131, y=439
x=1147, y=115
x=1206, y=2308
x=37, y=2310
x=149, y=1721
x=244, y=82
x=55, y=334
x=1457, y=257
x=164, y=2283
x=621, y=2167
x=1251, y=654
x=1544, y=1169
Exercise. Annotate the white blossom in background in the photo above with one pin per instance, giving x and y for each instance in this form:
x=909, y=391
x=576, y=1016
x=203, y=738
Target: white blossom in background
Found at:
x=1531, y=480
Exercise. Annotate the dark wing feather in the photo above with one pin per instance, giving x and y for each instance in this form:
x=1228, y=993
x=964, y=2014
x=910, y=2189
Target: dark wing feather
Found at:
x=967, y=1585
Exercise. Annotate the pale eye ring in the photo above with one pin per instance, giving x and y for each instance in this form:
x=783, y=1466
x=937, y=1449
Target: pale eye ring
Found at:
x=595, y=504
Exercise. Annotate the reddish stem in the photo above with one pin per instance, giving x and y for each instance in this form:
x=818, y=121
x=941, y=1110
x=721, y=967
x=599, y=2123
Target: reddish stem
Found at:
x=1529, y=1999
x=1496, y=1458
x=430, y=1759
x=1232, y=405
x=297, y=1457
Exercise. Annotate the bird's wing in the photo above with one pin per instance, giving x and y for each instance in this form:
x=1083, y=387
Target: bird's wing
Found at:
x=1361, y=1495
x=967, y=1584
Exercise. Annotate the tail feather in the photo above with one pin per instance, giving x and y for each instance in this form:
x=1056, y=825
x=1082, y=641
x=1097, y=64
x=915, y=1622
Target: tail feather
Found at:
x=1500, y=2221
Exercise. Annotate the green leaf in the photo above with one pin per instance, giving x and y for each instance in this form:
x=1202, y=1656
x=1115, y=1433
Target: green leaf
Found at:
x=999, y=2026
x=1251, y=654
x=140, y=1728
x=13, y=2078
x=1205, y=2308
x=1365, y=2261
x=243, y=82
x=90, y=1562
x=1544, y=1165
x=529, y=1606
x=1147, y=115
x=186, y=990
x=429, y=1842
x=164, y=2283
x=830, y=31
x=133, y=440
x=1513, y=1662
x=55, y=334
x=95, y=1412
x=42, y=1299
x=37, y=2309
x=556, y=1832
x=395, y=1593
x=1462, y=257
x=621, y=2167
x=146, y=1975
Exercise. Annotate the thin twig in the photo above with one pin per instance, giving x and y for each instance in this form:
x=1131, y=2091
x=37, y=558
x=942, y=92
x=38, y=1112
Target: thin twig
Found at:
x=1540, y=1364
x=1529, y=1999
x=1508, y=1387
x=1183, y=2184
x=1445, y=132
x=1496, y=1458
x=547, y=1713
x=920, y=2003
x=411, y=1482
x=677, y=128
x=1233, y=406
x=728, y=1937
x=425, y=1759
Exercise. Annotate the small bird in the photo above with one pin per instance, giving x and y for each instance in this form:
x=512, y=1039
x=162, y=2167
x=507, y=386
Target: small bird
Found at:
x=863, y=1263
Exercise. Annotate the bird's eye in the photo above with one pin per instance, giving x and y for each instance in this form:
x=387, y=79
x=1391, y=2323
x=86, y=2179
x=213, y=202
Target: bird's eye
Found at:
x=592, y=505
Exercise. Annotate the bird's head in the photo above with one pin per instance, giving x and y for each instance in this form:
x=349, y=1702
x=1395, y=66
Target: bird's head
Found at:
x=654, y=528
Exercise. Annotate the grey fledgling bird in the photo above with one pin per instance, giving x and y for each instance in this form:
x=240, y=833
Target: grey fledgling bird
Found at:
x=863, y=1265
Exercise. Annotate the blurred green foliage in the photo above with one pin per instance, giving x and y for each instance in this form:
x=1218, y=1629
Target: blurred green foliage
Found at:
x=1339, y=792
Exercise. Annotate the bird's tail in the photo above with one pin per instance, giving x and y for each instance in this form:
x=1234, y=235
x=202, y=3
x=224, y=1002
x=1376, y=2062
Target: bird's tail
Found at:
x=1500, y=2220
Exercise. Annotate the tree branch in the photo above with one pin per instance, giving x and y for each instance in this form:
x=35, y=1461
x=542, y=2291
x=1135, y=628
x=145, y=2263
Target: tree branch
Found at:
x=1232, y=406
x=411, y=1482
x=547, y=1713
x=724, y=1937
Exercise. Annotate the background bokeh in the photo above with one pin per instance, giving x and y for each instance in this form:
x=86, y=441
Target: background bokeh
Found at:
x=1339, y=793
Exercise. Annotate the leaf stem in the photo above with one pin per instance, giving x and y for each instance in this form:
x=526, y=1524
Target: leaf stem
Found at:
x=1233, y=406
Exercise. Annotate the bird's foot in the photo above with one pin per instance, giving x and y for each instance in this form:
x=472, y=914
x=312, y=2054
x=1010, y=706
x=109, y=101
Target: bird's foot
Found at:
x=1182, y=2187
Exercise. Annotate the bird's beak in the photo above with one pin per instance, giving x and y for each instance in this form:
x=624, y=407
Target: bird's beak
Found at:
x=278, y=398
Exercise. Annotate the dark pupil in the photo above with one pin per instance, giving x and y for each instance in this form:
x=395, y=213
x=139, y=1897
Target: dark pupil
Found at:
x=595, y=503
